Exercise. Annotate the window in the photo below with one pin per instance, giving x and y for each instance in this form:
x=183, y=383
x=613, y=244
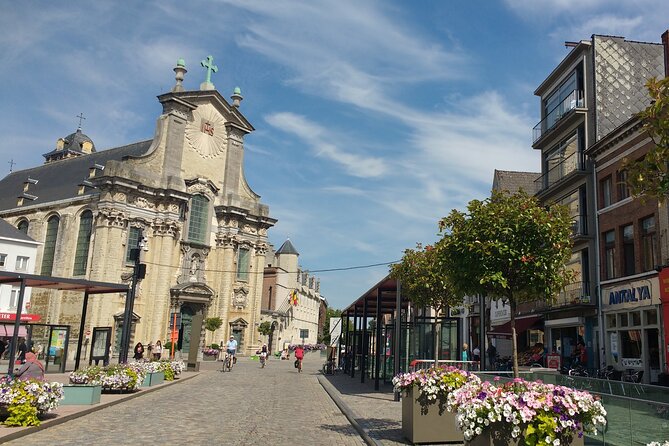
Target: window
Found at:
x=23, y=226
x=133, y=238
x=606, y=191
x=563, y=99
x=21, y=263
x=648, y=244
x=50, y=245
x=562, y=159
x=198, y=224
x=83, y=243
x=3, y=260
x=628, y=250
x=623, y=188
x=611, y=321
x=243, y=264
x=630, y=342
x=13, y=298
x=609, y=254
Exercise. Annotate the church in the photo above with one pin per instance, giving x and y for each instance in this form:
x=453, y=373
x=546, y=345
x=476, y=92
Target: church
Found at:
x=182, y=194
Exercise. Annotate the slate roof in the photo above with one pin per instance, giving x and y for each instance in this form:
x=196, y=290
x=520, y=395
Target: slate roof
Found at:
x=513, y=181
x=287, y=248
x=9, y=231
x=60, y=180
x=72, y=143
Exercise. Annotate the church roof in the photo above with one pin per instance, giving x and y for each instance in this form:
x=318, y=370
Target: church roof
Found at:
x=62, y=179
x=73, y=142
x=287, y=248
x=9, y=231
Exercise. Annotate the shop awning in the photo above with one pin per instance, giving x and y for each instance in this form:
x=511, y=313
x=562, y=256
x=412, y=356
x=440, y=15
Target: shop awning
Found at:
x=8, y=330
x=522, y=325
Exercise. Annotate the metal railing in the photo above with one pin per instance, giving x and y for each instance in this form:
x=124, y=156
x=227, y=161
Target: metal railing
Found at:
x=421, y=364
x=572, y=163
x=573, y=100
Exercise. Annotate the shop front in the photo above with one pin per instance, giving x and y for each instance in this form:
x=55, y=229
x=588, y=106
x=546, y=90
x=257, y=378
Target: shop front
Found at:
x=631, y=312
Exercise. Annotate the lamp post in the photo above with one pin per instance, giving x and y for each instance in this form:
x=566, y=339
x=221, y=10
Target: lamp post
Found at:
x=138, y=273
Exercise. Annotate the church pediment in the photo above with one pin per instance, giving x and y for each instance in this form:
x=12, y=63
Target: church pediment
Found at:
x=192, y=289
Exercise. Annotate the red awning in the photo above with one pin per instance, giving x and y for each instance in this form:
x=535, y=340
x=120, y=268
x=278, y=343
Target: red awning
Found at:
x=522, y=325
x=8, y=330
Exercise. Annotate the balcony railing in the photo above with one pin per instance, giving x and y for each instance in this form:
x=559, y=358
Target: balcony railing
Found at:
x=573, y=100
x=569, y=164
x=579, y=225
x=577, y=293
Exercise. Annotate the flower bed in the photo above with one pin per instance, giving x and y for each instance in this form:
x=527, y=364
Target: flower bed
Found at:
x=120, y=377
x=24, y=400
x=211, y=352
x=172, y=369
x=541, y=414
x=434, y=383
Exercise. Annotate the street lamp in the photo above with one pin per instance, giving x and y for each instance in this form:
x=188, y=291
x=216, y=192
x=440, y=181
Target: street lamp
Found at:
x=138, y=273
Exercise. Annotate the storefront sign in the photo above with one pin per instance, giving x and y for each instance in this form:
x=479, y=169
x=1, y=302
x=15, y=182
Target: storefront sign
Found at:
x=499, y=311
x=24, y=317
x=632, y=362
x=638, y=293
x=553, y=362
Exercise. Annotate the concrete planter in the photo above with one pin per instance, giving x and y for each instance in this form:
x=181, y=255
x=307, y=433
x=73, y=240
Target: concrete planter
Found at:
x=153, y=379
x=208, y=358
x=494, y=438
x=81, y=395
x=429, y=427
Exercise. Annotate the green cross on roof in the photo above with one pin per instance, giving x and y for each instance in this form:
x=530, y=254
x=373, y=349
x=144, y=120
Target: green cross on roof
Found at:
x=208, y=63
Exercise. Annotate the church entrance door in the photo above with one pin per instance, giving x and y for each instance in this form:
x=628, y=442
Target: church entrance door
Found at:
x=185, y=331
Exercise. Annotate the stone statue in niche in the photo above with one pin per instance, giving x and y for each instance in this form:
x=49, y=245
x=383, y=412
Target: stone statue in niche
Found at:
x=240, y=298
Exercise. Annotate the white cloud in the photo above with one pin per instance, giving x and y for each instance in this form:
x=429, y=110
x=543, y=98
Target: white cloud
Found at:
x=318, y=138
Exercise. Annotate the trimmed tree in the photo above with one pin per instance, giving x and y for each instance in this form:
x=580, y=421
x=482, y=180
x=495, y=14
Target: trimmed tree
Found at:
x=426, y=283
x=265, y=328
x=649, y=176
x=508, y=247
x=213, y=323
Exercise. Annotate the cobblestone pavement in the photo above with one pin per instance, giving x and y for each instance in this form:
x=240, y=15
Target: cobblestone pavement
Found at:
x=248, y=406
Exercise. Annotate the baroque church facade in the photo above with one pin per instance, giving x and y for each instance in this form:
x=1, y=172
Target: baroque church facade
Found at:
x=183, y=192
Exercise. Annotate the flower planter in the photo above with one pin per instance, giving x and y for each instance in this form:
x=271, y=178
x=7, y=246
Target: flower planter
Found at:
x=81, y=394
x=430, y=427
x=208, y=358
x=495, y=438
x=153, y=379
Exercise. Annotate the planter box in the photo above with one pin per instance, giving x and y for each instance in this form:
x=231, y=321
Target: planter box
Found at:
x=486, y=439
x=81, y=395
x=153, y=379
x=430, y=427
x=208, y=358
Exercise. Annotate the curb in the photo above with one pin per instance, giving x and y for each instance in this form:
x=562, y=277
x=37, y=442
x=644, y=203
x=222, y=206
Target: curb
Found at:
x=73, y=416
x=348, y=413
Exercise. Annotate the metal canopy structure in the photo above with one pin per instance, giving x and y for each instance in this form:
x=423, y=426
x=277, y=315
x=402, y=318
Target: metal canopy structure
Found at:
x=382, y=299
x=87, y=287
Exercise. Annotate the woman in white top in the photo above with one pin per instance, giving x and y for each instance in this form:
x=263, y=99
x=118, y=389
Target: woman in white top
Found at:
x=157, y=350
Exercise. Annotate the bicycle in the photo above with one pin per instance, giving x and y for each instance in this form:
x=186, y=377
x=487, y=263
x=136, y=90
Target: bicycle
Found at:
x=263, y=359
x=227, y=363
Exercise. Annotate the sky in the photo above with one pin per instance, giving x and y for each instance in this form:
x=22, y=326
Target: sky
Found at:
x=373, y=118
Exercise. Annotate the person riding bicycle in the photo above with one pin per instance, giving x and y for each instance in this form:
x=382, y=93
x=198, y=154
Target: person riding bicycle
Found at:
x=264, y=354
x=231, y=348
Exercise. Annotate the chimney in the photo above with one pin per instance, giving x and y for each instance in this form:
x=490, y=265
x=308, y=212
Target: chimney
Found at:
x=665, y=43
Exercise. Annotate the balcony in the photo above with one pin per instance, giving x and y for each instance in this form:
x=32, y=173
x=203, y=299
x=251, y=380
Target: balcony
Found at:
x=574, y=294
x=573, y=100
x=579, y=226
x=572, y=163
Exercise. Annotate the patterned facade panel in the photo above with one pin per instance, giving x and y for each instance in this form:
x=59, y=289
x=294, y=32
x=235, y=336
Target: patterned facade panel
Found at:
x=621, y=71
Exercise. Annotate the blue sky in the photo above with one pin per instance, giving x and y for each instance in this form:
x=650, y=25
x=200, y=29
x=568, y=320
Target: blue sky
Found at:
x=374, y=118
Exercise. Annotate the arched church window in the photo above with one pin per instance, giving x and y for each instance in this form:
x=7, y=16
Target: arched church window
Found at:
x=23, y=226
x=198, y=219
x=50, y=245
x=83, y=243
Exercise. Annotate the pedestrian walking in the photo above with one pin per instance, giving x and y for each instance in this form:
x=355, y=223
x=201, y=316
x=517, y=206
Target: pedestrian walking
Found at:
x=492, y=356
x=465, y=352
x=139, y=351
x=23, y=349
x=157, y=350
x=31, y=369
x=299, y=356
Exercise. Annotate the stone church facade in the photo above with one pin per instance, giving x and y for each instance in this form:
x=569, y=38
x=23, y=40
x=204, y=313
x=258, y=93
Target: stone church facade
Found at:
x=184, y=191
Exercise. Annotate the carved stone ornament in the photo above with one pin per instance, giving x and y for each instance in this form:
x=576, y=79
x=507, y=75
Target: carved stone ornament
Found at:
x=163, y=227
x=119, y=196
x=240, y=297
x=261, y=248
x=143, y=203
x=226, y=240
x=111, y=217
x=249, y=229
x=262, y=231
x=206, y=133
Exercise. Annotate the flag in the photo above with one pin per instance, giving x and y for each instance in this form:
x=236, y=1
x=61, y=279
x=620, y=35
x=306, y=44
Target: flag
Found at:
x=293, y=298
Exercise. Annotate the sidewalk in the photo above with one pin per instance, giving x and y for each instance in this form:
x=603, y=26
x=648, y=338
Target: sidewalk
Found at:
x=65, y=413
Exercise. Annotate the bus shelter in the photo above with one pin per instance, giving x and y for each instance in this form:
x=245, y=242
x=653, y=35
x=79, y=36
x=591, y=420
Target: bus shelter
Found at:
x=87, y=287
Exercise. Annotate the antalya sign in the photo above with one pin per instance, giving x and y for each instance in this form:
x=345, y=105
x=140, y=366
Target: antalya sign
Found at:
x=639, y=293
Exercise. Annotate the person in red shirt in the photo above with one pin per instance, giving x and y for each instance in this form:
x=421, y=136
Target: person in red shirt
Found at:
x=299, y=356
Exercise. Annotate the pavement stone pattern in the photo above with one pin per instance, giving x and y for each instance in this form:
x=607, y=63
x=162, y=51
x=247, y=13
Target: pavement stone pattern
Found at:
x=248, y=406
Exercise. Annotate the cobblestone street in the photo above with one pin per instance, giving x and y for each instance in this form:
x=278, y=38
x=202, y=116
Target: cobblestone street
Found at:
x=248, y=406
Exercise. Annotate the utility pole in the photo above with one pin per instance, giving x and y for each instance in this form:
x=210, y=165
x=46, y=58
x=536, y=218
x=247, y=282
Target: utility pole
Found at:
x=138, y=273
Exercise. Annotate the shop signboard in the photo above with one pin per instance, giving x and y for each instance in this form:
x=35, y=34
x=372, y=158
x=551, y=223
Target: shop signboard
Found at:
x=499, y=312
x=632, y=362
x=553, y=362
x=630, y=295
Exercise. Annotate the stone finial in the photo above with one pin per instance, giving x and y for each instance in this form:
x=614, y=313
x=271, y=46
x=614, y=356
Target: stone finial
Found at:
x=236, y=97
x=208, y=63
x=179, y=72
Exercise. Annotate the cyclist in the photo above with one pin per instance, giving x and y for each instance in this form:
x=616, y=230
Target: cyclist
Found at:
x=264, y=354
x=299, y=356
x=231, y=348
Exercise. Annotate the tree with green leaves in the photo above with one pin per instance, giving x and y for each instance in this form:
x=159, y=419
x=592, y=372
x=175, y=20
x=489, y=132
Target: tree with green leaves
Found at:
x=649, y=176
x=508, y=247
x=426, y=283
x=213, y=323
x=265, y=328
x=329, y=313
